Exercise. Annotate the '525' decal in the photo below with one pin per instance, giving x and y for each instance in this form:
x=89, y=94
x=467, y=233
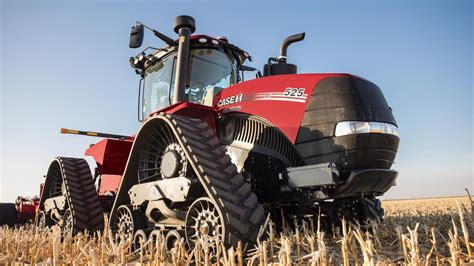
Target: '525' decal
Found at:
x=294, y=92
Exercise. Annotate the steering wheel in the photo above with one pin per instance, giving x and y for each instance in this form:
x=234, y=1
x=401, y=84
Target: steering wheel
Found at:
x=196, y=92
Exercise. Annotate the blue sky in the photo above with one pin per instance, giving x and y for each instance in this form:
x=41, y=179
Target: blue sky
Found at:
x=66, y=65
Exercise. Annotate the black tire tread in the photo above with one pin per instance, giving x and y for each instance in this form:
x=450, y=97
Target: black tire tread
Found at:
x=81, y=194
x=8, y=214
x=373, y=209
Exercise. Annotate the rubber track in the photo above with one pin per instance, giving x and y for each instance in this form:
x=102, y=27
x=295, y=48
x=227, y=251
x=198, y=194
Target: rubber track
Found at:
x=81, y=194
x=243, y=214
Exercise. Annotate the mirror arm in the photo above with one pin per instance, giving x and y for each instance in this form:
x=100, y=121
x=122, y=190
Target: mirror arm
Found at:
x=156, y=49
x=160, y=35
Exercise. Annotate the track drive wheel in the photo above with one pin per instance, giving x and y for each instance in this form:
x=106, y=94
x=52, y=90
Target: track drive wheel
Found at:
x=205, y=224
x=8, y=214
x=126, y=222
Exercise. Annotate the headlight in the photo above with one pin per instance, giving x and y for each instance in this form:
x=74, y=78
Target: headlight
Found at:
x=357, y=127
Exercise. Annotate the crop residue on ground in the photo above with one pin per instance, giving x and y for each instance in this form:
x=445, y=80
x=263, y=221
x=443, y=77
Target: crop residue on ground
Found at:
x=430, y=231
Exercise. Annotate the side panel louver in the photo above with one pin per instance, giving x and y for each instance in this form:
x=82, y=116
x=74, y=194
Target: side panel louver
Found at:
x=254, y=134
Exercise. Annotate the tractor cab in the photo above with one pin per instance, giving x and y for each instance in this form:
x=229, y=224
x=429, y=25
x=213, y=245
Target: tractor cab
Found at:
x=212, y=65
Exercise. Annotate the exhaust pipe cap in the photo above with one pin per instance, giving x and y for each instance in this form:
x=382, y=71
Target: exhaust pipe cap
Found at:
x=184, y=22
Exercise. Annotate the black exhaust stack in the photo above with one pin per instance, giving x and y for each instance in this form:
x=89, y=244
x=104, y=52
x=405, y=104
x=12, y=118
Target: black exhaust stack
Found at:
x=282, y=67
x=184, y=26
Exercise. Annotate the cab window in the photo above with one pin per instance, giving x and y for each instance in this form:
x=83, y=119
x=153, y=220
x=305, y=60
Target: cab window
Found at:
x=211, y=70
x=158, y=86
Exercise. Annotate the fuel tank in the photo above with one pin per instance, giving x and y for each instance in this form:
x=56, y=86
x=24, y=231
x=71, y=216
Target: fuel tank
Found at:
x=319, y=118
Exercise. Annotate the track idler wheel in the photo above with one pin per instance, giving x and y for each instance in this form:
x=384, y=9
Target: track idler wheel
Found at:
x=126, y=222
x=42, y=221
x=156, y=237
x=67, y=226
x=172, y=237
x=204, y=224
x=139, y=239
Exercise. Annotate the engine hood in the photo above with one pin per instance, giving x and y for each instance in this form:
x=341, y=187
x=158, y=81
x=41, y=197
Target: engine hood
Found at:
x=306, y=102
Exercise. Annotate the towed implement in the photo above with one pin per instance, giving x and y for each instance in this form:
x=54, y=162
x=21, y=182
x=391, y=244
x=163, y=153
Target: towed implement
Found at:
x=20, y=212
x=216, y=154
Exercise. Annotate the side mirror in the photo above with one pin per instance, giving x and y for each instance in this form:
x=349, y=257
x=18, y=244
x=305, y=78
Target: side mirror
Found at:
x=136, y=36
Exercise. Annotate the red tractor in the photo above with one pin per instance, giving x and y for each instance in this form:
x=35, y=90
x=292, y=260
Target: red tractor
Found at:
x=216, y=155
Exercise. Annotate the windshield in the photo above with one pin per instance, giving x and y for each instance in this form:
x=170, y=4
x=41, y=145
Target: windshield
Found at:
x=211, y=71
x=159, y=81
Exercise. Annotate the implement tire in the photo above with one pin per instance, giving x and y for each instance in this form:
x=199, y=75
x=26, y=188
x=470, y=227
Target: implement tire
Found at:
x=8, y=214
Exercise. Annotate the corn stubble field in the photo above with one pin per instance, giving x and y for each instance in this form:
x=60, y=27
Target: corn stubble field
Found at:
x=428, y=232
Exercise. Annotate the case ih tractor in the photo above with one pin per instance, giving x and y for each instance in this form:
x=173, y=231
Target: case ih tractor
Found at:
x=216, y=154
